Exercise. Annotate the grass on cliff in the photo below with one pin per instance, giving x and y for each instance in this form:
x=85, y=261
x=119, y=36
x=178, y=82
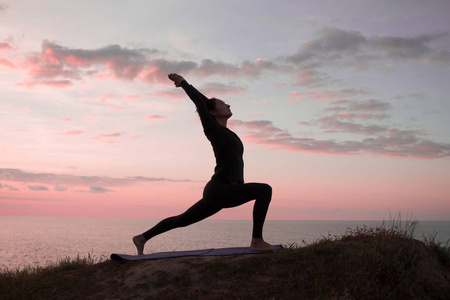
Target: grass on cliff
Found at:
x=362, y=263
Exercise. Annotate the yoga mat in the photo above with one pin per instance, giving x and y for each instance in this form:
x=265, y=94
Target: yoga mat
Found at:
x=174, y=254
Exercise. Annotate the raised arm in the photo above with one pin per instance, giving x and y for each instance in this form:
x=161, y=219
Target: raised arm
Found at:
x=198, y=98
x=192, y=92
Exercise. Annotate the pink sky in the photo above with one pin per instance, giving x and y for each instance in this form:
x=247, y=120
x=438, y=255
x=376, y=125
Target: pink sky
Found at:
x=343, y=110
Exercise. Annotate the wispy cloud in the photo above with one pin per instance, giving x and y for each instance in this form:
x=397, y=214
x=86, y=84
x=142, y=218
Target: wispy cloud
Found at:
x=30, y=199
x=101, y=99
x=9, y=187
x=59, y=66
x=56, y=60
x=6, y=64
x=48, y=83
x=331, y=45
x=377, y=140
x=108, y=135
x=5, y=46
x=349, y=48
x=222, y=89
x=154, y=117
x=333, y=124
x=95, y=190
x=72, y=132
x=38, y=187
x=359, y=109
x=246, y=68
x=64, y=180
x=405, y=48
x=65, y=120
x=60, y=188
x=327, y=95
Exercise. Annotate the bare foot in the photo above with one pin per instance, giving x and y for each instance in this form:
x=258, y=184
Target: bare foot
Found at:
x=139, y=241
x=261, y=245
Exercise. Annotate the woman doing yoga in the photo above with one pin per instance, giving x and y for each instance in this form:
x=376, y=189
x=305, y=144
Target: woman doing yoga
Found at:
x=226, y=188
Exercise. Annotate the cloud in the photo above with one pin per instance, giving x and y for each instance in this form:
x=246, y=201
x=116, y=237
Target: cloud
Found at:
x=9, y=187
x=255, y=69
x=246, y=68
x=101, y=100
x=152, y=179
x=125, y=63
x=30, y=199
x=332, y=124
x=261, y=131
x=132, y=97
x=312, y=79
x=154, y=117
x=327, y=95
x=72, y=132
x=208, y=67
x=5, y=45
x=440, y=57
x=17, y=175
x=362, y=116
x=48, y=83
x=37, y=187
x=351, y=49
x=381, y=141
x=6, y=64
x=157, y=69
x=222, y=89
x=108, y=135
x=117, y=108
x=95, y=190
x=359, y=109
x=59, y=66
x=418, y=96
x=2, y=186
x=65, y=120
x=60, y=188
x=367, y=105
x=330, y=41
x=404, y=48
x=331, y=45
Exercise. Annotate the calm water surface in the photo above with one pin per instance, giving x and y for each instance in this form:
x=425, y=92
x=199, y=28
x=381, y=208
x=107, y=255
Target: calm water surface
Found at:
x=30, y=241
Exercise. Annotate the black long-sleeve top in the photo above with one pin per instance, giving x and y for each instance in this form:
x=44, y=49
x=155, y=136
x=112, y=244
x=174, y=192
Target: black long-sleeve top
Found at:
x=228, y=148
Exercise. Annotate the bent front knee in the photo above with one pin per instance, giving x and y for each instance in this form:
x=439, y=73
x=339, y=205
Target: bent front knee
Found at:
x=266, y=190
x=267, y=187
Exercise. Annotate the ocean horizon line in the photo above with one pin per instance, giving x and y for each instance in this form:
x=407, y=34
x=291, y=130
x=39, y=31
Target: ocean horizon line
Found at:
x=241, y=219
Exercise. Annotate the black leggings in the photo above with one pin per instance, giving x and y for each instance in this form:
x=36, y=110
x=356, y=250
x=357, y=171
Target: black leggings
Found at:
x=217, y=195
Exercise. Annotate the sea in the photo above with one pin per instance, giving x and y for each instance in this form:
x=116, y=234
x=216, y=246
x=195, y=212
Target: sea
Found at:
x=42, y=241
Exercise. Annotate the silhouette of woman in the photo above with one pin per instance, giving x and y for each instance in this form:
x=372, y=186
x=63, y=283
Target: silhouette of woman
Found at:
x=226, y=188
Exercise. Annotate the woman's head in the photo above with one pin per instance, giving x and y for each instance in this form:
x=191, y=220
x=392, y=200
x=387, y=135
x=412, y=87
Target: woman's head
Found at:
x=219, y=109
x=211, y=104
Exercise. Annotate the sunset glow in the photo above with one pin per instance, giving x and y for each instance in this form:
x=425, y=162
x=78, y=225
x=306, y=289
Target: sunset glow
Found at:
x=343, y=107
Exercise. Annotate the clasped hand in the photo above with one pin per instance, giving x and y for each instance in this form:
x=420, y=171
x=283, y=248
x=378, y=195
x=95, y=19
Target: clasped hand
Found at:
x=177, y=79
